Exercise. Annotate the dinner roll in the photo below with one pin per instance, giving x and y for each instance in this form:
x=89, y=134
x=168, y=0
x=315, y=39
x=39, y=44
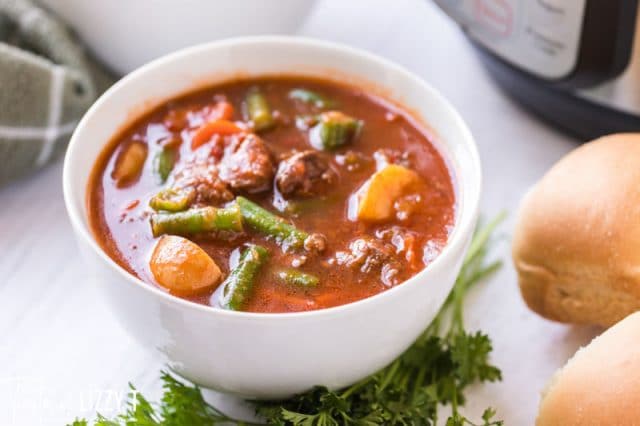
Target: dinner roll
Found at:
x=576, y=245
x=600, y=385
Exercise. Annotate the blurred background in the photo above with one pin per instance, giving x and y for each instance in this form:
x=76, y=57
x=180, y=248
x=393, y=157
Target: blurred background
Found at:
x=530, y=78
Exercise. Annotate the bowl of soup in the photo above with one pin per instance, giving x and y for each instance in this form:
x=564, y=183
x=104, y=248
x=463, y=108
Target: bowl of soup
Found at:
x=273, y=213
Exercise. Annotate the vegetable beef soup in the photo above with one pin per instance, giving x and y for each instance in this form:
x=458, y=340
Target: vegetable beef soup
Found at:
x=273, y=195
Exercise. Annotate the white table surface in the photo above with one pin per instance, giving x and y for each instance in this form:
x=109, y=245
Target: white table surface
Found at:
x=62, y=353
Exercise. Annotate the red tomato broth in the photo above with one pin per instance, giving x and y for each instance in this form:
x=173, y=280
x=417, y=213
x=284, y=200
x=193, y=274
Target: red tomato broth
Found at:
x=122, y=227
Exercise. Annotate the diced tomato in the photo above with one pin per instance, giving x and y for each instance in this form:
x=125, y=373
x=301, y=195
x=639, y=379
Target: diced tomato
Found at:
x=176, y=119
x=221, y=111
x=204, y=133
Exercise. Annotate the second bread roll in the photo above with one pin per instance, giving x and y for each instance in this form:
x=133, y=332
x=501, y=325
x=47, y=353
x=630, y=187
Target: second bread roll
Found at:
x=577, y=242
x=599, y=385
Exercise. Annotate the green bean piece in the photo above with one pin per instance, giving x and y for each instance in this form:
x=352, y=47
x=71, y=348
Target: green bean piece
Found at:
x=312, y=98
x=172, y=200
x=265, y=222
x=259, y=110
x=298, y=278
x=237, y=287
x=163, y=163
x=334, y=130
x=306, y=122
x=197, y=220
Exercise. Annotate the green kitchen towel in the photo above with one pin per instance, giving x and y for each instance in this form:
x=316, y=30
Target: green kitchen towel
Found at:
x=46, y=84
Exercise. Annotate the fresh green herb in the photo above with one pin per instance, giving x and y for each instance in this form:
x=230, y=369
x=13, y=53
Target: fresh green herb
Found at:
x=435, y=370
x=181, y=405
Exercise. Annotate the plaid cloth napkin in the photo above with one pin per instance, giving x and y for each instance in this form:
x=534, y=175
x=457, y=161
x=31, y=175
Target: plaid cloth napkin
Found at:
x=46, y=84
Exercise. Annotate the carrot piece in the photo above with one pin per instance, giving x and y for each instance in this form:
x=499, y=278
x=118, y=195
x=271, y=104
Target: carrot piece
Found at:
x=132, y=205
x=221, y=111
x=411, y=253
x=217, y=127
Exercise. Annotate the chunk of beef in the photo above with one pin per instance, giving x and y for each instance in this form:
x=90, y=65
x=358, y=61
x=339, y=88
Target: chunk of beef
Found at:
x=406, y=242
x=315, y=243
x=304, y=173
x=205, y=179
x=247, y=165
x=370, y=255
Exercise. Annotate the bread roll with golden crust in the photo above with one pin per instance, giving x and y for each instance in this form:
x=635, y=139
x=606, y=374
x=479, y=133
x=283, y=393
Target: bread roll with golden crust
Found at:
x=576, y=245
x=600, y=385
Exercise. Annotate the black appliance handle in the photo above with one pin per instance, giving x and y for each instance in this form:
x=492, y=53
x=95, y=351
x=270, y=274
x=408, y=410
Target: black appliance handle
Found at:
x=606, y=43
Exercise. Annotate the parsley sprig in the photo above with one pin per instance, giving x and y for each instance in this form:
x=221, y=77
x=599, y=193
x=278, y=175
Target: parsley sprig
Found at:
x=434, y=371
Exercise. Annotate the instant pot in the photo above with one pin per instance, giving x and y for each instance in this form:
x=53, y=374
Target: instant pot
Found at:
x=574, y=62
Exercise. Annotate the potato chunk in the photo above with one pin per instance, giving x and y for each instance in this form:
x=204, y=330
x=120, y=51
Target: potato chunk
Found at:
x=375, y=199
x=182, y=267
x=129, y=164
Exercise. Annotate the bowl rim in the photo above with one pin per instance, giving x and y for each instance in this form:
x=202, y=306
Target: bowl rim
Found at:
x=461, y=230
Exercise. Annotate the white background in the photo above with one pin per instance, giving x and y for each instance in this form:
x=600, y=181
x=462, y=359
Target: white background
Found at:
x=61, y=351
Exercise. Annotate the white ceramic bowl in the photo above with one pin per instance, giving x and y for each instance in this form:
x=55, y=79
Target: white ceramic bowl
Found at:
x=125, y=34
x=274, y=355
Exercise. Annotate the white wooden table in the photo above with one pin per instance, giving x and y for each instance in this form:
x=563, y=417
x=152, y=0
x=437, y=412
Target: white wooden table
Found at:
x=62, y=354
